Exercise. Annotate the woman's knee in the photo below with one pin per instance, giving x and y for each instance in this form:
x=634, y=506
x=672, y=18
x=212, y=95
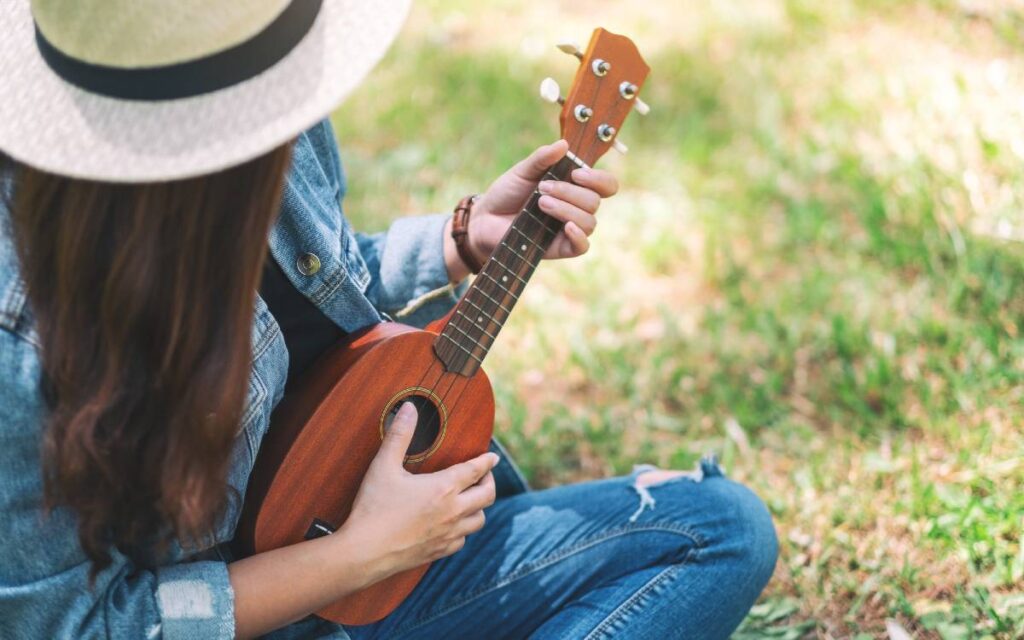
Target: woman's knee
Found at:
x=732, y=521
x=735, y=520
x=747, y=530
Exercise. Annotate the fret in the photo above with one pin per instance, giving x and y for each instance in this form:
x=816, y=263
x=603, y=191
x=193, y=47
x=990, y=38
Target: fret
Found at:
x=477, y=325
x=531, y=205
x=527, y=238
x=519, y=255
x=500, y=286
x=579, y=163
x=481, y=310
x=511, y=272
x=459, y=329
x=535, y=214
x=500, y=306
x=457, y=344
x=543, y=220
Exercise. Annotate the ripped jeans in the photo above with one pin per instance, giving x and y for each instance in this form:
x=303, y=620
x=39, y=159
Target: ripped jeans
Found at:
x=685, y=558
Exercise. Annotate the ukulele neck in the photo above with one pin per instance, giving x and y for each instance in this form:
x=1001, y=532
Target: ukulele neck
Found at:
x=487, y=304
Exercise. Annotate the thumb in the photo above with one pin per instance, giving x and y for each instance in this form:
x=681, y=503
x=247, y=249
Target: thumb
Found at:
x=399, y=434
x=533, y=166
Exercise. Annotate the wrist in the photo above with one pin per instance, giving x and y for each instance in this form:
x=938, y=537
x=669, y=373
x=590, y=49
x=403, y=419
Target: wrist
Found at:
x=457, y=269
x=464, y=254
x=358, y=560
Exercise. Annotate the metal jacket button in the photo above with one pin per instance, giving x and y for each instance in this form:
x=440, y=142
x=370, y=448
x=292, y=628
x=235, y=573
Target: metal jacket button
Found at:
x=308, y=264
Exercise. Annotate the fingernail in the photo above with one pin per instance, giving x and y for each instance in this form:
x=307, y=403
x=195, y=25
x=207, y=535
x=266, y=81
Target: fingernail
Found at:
x=407, y=410
x=495, y=459
x=580, y=173
x=545, y=186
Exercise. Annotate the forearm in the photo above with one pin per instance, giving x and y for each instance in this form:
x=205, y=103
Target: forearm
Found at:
x=275, y=588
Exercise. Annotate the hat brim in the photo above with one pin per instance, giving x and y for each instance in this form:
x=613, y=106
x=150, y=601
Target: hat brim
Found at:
x=54, y=126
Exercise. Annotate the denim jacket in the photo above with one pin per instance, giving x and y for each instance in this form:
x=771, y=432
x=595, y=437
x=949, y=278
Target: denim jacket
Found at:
x=362, y=279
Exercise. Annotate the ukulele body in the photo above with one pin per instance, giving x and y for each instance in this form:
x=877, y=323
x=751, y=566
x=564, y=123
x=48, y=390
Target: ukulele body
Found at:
x=323, y=437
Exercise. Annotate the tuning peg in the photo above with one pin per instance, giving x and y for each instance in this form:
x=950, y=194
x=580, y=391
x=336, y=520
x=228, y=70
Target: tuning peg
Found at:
x=641, y=107
x=549, y=91
x=571, y=48
x=620, y=147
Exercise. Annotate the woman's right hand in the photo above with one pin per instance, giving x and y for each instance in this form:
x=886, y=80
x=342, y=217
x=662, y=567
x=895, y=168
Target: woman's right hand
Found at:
x=399, y=521
x=402, y=520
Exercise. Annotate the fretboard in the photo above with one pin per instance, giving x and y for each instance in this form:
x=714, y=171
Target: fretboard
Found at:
x=480, y=314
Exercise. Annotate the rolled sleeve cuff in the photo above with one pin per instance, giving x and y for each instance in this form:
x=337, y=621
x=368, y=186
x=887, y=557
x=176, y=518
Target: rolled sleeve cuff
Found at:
x=195, y=600
x=414, y=275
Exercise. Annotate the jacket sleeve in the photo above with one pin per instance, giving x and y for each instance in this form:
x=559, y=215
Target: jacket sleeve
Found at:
x=44, y=575
x=177, y=602
x=409, y=279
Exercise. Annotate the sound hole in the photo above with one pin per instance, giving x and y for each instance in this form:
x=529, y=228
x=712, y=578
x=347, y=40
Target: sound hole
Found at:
x=428, y=424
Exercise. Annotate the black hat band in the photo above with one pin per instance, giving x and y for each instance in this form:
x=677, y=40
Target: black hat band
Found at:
x=194, y=77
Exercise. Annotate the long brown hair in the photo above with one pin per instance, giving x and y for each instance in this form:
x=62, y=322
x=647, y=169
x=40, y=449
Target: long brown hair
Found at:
x=143, y=296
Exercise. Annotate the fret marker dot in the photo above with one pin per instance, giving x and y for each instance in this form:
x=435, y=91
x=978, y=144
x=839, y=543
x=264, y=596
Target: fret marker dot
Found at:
x=504, y=278
x=523, y=247
x=480, y=319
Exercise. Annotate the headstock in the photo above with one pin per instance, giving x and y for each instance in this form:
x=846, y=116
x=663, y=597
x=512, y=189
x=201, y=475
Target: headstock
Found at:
x=606, y=87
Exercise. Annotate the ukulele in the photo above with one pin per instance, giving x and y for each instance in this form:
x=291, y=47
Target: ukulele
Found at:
x=325, y=433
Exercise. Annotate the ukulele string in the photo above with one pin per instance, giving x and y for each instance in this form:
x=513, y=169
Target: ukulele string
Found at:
x=434, y=385
x=496, y=307
x=491, y=307
x=419, y=385
x=591, y=147
x=582, y=132
x=483, y=306
x=579, y=141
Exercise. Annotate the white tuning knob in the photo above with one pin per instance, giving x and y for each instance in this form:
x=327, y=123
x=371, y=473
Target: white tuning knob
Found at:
x=618, y=146
x=549, y=91
x=571, y=48
x=641, y=107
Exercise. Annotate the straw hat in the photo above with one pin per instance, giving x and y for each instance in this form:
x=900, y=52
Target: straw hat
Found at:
x=151, y=90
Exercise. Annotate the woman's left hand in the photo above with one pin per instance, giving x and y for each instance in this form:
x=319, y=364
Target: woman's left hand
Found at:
x=572, y=204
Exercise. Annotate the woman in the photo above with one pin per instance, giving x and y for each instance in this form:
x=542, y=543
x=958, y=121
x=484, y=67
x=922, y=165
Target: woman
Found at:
x=159, y=176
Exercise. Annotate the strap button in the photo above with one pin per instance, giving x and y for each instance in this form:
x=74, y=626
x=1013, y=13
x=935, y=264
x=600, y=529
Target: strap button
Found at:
x=308, y=264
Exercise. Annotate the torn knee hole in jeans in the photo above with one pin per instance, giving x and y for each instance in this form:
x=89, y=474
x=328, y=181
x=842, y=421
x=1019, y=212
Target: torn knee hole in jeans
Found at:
x=646, y=477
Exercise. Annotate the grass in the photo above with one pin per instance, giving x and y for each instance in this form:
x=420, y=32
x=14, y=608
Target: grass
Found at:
x=814, y=269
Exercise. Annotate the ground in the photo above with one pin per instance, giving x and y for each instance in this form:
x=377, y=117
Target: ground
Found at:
x=813, y=269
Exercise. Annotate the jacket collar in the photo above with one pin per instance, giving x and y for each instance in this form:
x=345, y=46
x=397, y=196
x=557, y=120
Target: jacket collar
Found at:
x=14, y=312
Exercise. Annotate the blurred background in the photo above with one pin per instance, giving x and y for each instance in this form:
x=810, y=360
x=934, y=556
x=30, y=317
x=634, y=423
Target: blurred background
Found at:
x=813, y=269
